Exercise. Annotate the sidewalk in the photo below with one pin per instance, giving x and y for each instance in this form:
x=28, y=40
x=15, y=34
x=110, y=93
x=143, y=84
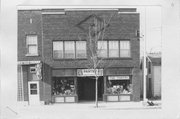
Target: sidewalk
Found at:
x=85, y=110
x=101, y=105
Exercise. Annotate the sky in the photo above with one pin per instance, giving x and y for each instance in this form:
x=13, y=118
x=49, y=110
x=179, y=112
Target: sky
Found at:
x=152, y=26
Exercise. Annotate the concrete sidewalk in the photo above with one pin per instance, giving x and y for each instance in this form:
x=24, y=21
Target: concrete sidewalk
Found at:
x=101, y=105
x=80, y=110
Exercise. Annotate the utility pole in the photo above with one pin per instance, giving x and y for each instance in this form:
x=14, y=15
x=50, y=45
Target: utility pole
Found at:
x=144, y=62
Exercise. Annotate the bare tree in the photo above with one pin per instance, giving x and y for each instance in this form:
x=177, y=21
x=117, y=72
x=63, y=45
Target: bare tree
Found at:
x=96, y=32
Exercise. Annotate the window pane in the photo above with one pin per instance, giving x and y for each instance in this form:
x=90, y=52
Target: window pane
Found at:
x=33, y=86
x=32, y=49
x=125, y=49
x=58, y=49
x=69, y=49
x=33, y=92
x=113, y=49
x=63, y=86
x=119, y=87
x=80, y=49
x=31, y=39
x=102, y=48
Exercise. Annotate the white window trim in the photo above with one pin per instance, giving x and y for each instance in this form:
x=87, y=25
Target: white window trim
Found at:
x=29, y=54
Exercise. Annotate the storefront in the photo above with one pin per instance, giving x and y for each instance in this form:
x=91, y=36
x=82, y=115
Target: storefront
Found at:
x=80, y=85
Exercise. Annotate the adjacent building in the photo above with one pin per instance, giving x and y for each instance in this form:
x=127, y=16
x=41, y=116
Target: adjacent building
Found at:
x=154, y=76
x=54, y=55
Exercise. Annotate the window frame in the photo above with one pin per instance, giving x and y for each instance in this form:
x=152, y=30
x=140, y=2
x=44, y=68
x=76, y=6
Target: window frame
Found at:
x=75, y=53
x=107, y=48
x=128, y=49
x=119, y=52
x=27, y=45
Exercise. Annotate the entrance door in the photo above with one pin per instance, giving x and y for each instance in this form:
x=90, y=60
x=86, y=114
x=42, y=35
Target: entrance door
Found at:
x=86, y=88
x=33, y=87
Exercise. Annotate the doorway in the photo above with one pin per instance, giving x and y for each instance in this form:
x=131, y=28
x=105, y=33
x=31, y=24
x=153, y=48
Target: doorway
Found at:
x=86, y=88
x=34, y=98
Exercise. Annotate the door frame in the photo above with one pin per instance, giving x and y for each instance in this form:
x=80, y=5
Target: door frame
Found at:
x=36, y=96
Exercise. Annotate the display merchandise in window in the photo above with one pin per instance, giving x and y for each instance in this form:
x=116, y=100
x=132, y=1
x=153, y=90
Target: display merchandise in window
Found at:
x=63, y=86
x=119, y=87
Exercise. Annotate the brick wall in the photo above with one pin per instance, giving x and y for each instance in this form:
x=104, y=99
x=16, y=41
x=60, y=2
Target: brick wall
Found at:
x=63, y=27
x=27, y=28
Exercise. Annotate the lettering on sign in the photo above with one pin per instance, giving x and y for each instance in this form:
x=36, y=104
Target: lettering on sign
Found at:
x=89, y=72
x=118, y=78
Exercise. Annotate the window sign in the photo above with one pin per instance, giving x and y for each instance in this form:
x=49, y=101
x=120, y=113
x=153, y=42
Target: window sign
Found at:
x=118, y=78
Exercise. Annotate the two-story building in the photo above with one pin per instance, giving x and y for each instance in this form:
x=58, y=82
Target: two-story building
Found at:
x=54, y=55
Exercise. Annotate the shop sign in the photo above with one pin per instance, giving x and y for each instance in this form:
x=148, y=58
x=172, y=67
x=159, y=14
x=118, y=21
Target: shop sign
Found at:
x=28, y=62
x=89, y=72
x=118, y=78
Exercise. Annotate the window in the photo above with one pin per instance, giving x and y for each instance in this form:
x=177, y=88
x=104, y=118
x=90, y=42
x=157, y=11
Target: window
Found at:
x=32, y=69
x=80, y=49
x=63, y=86
x=102, y=48
x=58, y=49
x=69, y=49
x=125, y=49
x=119, y=85
x=66, y=49
x=113, y=49
x=31, y=42
x=33, y=89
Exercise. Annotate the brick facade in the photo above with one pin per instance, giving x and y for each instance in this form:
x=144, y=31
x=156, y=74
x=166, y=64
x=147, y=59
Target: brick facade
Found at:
x=62, y=27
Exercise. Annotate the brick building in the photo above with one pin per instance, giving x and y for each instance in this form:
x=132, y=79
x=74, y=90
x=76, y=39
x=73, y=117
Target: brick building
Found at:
x=54, y=54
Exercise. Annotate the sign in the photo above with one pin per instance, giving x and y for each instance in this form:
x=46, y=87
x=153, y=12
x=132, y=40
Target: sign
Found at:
x=89, y=72
x=28, y=62
x=118, y=78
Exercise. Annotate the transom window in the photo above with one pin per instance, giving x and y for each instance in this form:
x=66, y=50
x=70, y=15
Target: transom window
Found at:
x=31, y=42
x=69, y=49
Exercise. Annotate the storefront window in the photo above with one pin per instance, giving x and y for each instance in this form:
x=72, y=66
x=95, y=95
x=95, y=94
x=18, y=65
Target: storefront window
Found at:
x=119, y=85
x=63, y=86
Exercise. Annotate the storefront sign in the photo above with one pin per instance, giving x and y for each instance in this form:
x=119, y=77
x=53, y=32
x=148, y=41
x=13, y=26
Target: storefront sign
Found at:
x=118, y=78
x=89, y=72
x=28, y=62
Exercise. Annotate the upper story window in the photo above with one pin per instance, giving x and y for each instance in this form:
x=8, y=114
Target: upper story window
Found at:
x=58, y=49
x=125, y=49
x=80, y=49
x=113, y=49
x=32, y=46
x=69, y=49
x=102, y=48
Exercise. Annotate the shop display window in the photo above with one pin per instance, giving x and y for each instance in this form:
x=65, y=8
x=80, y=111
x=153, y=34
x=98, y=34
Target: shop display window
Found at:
x=119, y=86
x=63, y=86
